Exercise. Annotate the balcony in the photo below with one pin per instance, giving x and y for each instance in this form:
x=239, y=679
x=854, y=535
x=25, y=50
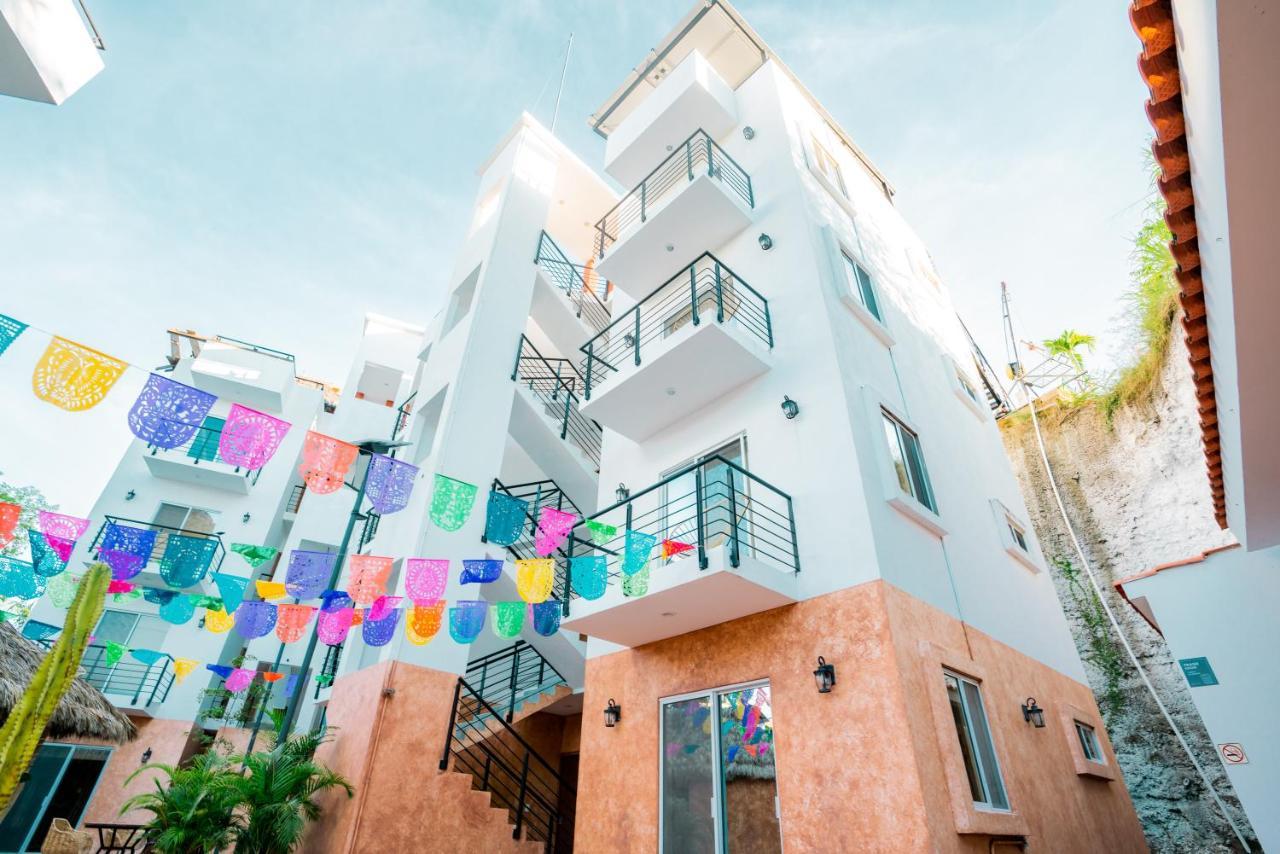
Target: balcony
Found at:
x=742, y=559
x=566, y=298
x=46, y=50
x=698, y=336
x=256, y=376
x=698, y=197
x=151, y=568
x=130, y=685
x=199, y=461
x=691, y=96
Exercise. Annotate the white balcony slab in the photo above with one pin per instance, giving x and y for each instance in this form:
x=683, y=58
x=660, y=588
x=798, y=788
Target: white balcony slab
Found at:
x=257, y=380
x=211, y=473
x=554, y=312
x=692, y=96
x=46, y=51
x=677, y=376
x=700, y=216
x=537, y=431
x=683, y=598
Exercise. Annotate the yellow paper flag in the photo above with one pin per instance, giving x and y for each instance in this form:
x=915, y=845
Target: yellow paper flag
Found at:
x=218, y=621
x=534, y=578
x=74, y=377
x=270, y=589
x=182, y=668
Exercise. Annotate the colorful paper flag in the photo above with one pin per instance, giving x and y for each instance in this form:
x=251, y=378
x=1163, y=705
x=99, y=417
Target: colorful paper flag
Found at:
x=380, y=632
x=186, y=559
x=671, y=548
x=147, y=656
x=10, y=329
x=601, y=534
x=19, y=581
x=425, y=579
x=451, y=502
x=368, y=579
x=178, y=610
x=61, y=590
x=116, y=586
x=126, y=549
x=291, y=621
x=44, y=560
x=231, y=588
x=590, y=575
x=217, y=621
x=480, y=571
x=553, y=529
x=222, y=670
x=424, y=622
x=74, y=377
x=9, y=515
x=466, y=619
x=60, y=525
x=335, y=619
x=255, y=619
x=182, y=668
x=636, y=553
x=546, y=617
x=504, y=518
x=250, y=438
x=168, y=413
x=270, y=589
x=378, y=610
x=508, y=619
x=637, y=584
x=253, y=555
x=114, y=652
x=309, y=573
x=325, y=462
x=240, y=679
x=389, y=483
x=534, y=578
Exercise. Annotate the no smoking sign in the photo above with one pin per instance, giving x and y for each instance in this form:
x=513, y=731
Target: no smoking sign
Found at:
x=1232, y=753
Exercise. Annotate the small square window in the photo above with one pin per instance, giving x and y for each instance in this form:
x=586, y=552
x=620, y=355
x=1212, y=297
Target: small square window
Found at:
x=1089, y=743
x=908, y=461
x=1019, y=536
x=829, y=167
x=978, y=750
x=1014, y=537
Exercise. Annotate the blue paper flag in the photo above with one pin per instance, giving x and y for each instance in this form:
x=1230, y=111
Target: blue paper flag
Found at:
x=186, y=559
x=18, y=580
x=147, y=656
x=178, y=610
x=380, y=632
x=505, y=519
x=44, y=560
x=10, y=329
x=480, y=571
x=466, y=619
x=546, y=617
x=231, y=588
x=636, y=553
x=590, y=575
x=222, y=670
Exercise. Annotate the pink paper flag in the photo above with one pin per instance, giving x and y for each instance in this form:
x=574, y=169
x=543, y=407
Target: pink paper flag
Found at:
x=425, y=579
x=58, y=525
x=553, y=529
x=382, y=606
x=239, y=679
x=250, y=438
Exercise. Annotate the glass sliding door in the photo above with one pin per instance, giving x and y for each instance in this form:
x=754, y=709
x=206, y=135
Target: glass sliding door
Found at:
x=723, y=506
x=719, y=786
x=60, y=784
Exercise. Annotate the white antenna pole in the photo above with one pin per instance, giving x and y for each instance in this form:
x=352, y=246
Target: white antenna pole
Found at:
x=556, y=113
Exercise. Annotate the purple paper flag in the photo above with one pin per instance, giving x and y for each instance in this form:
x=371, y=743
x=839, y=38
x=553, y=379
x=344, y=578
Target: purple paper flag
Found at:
x=168, y=413
x=308, y=573
x=389, y=483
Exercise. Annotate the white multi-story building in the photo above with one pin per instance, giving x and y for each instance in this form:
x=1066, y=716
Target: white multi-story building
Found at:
x=746, y=355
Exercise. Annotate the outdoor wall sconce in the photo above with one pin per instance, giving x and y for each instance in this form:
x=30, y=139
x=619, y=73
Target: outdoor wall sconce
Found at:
x=146, y=756
x=1033, y=713
x=628, y=340
x=130, y=495
x=244, y=518
x=825, y=676
x=766, y=242
x=789, y=407
x=612, y=714
x=748, y=133
x=623, y=493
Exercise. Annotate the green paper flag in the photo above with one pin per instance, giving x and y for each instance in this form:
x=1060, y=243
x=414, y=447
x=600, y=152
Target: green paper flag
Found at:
x=637, y=584
x=115, y=652
x=601, y=533
x=255, y=556
x=508, y=618
x=451, y=502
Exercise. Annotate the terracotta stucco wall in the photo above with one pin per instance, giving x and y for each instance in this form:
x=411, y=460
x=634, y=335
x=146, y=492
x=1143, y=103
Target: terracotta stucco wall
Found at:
x=165, y=738
x=861, y=768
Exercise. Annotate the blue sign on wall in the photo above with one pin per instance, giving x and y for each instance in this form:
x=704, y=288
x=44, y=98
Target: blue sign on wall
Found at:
x=1198, y=672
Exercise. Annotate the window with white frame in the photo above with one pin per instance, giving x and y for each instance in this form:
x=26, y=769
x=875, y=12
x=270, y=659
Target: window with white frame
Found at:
x=858, y=280
x=829, y=167
x=967, y=387
x=976, y=746
x=1018, y=534
x=1089, y=743
x=908, y=460
x=1014, y=536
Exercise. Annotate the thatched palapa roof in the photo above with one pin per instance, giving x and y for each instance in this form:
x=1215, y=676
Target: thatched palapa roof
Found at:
x=83, y=713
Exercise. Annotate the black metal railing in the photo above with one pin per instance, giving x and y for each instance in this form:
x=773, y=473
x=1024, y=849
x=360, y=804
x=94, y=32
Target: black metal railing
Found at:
x=705, y=290
x=481, y=743
x=539, y=494
x=711, y=503
x=510, y=677
x=144, y=684
x=328, y=668
x=162, y=539
x=403, y=412
x=572, y=279
x=296, y=494
x=557, y=386
x=696, y=156
x=370, y=529
x=202, y=449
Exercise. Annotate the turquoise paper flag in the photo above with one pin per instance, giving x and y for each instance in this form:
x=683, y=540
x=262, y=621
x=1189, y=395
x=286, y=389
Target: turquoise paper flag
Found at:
x=636, y=553
x=147, y=656
x=231, y=588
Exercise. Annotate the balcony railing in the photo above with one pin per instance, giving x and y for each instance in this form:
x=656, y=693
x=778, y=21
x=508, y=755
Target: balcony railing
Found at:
x=711, y=503
x=557, y=386
x=571, y=279
x=705, y=290
x=296, y=494
x=162, y=539
x=202, y=449
x=403, y=413
x=510, y=677
x=539, y=494
x=698, y=155
x=144, y=684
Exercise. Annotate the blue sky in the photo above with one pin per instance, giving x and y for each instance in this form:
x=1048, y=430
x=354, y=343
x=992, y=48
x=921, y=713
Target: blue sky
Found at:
x=270, y=170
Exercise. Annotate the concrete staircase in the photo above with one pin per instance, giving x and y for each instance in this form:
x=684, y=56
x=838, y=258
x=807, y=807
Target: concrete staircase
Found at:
x=490, y=825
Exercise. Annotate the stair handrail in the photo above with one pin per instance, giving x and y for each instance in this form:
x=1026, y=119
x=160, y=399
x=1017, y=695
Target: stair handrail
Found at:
x=463, y=683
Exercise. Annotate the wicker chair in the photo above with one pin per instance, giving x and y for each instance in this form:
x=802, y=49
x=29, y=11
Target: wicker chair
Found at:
x=65, y=839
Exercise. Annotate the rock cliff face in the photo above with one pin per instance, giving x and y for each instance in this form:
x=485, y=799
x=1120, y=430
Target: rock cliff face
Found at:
x=1137, y=494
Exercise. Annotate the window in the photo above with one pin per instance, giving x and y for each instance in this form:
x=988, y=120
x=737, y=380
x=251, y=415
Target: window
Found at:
x=1089, y=743
x=718, y=781
x=460, y=301
x=60, y=781
x=828, y=167
x=967, y=387
x=908, y=461
x=726, y=506
x=976, y=747
x=859, y=282
x=1014, y=537
x=1019, y=536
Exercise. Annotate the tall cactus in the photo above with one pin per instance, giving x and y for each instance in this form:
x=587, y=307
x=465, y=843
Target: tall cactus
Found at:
x=30, y=715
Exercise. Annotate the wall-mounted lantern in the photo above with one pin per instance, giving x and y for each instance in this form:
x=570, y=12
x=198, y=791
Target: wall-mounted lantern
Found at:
x=612, y=713
x=1033, y=713
x=623, y=493
x=789, y=407
x=130, y=495
x=766, y=242
x=824, y=676
x=245, y=518
x=146, y=756
x=748, y=133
